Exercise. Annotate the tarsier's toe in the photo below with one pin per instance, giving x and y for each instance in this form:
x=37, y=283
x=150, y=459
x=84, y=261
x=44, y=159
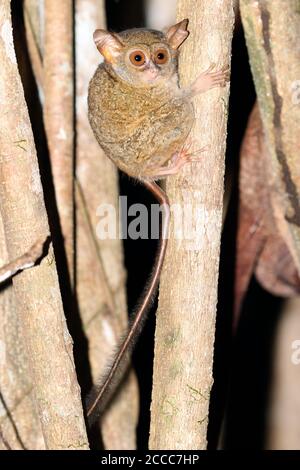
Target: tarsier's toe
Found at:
x=221, y=78
x=222, y=75
x=210, y=68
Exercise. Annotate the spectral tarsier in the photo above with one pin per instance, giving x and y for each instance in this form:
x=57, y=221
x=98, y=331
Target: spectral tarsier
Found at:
x=141, y=119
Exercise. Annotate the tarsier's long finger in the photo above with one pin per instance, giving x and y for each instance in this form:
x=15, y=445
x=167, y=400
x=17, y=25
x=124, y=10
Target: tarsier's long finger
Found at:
x=196, y=153
x=210, y=68
x=219, y=82
x=220, y=79
x=219, y=85
x=225, y=68
x=188, y=144
x=220, y=74
x=194, y=159
x=201, y=150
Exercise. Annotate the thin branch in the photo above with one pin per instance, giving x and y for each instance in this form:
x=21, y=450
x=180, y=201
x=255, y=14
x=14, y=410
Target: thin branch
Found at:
x=34, y=50
x=58, y=81
x=26, y=261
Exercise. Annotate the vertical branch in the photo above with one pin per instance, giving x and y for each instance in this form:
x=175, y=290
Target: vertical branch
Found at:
x=100, y=285
x=59, y=112
x=35, y=9
x=275, y=63
x=19, y=421
x=34, y=27
x=36, y=290
x=185, y=330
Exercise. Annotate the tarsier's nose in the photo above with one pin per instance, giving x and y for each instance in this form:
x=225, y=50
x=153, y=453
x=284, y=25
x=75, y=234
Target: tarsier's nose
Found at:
x=151, y=72
x=153, y=69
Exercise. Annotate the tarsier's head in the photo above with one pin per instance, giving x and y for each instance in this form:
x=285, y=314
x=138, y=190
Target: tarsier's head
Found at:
x=142, y=57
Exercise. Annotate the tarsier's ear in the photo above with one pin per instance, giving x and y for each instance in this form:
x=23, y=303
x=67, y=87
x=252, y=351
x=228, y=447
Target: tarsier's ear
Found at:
x=108, y=44
x=177, y=34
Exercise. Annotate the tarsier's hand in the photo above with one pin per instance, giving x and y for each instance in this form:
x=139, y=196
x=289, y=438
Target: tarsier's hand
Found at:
x=210, y=79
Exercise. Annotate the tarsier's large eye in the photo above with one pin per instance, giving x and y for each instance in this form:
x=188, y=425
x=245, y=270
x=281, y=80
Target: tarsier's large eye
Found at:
x=137, y=58
x=161, y=56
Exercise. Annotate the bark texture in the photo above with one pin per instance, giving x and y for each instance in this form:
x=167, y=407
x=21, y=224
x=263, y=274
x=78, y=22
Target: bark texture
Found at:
x=19, y=422
x=36, y=291
x=272, y=33
x=185, y=330
x=59, y=112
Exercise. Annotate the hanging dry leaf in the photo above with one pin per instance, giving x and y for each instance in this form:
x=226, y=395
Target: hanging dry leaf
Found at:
x=260, y=247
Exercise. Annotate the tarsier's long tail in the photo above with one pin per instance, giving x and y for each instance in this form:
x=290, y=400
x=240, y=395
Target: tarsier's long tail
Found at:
x=101, y=394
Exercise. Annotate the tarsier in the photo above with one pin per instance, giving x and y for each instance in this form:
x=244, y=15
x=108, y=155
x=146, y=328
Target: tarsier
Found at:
x=142, y=119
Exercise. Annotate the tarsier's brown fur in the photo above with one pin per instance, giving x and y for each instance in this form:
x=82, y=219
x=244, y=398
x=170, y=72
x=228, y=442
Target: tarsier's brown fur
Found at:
x=139, y=128
x=142, y=118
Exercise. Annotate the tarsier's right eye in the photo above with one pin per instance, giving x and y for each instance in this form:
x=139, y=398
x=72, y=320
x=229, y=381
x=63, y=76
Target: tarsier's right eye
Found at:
x=137, y=58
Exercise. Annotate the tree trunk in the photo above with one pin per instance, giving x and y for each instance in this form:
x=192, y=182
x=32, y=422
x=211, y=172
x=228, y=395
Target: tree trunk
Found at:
x=19, y=422
x=275, y=63
x=185, y=330
x=59, y=112
x=36, y=291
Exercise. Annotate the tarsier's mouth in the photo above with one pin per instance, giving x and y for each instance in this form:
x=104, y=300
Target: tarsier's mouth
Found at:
x=152, y=73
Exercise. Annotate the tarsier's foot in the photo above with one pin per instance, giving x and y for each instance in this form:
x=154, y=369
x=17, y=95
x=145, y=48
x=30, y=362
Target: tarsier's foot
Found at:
x=184, y=156
x=180, y=159
x=210, y=79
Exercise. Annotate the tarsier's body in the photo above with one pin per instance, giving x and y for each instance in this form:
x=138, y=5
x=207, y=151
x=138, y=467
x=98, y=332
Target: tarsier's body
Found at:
x=141, y=119
x=140, y=128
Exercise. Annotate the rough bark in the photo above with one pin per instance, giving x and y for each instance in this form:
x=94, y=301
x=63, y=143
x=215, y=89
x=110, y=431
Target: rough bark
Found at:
x=36, y=291
x=101, y=278
x=185, y=330
x=59, y=112
x=25, y=261
x=19, y=421
x=272, y=33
